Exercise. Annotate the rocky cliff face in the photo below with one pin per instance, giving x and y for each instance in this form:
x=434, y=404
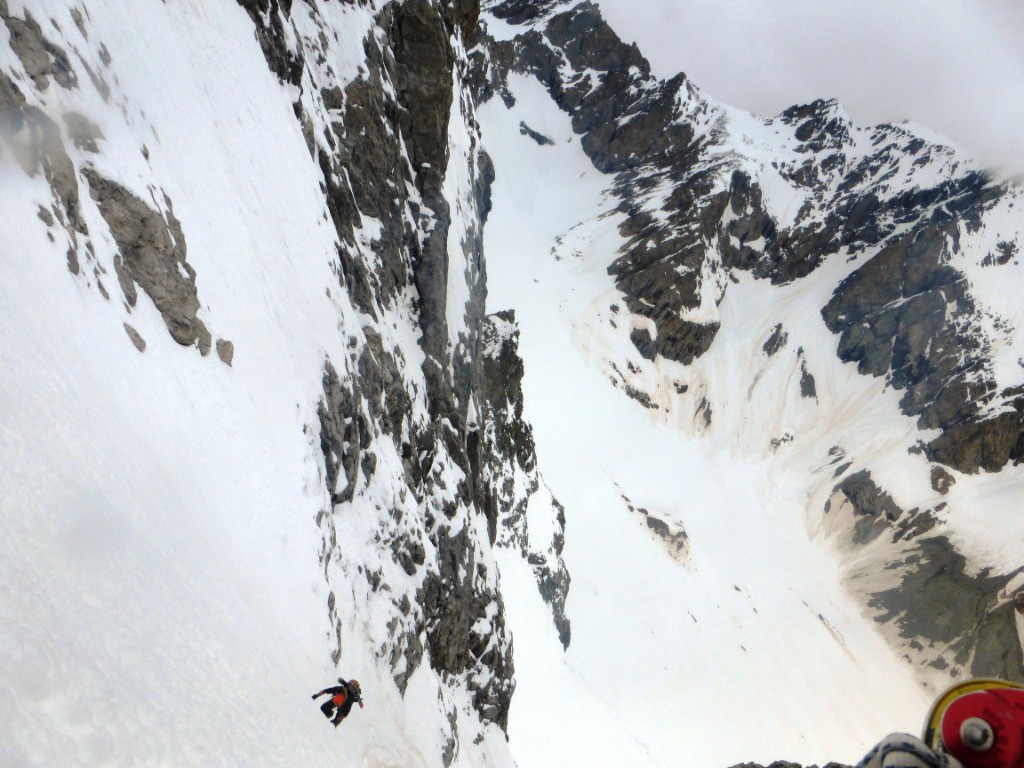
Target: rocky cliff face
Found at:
x=399, y=145
x=528, y=518
x=707, y=193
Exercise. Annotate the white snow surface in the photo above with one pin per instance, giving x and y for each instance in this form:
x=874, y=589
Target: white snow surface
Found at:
x=163, y=599
x=750, y=648
x=163, y=602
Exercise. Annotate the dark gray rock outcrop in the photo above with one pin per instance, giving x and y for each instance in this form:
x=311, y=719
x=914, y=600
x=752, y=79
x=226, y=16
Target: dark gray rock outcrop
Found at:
x=271, y=19
x=153, y=257
x=938, y=599
x=153, y=253
x=511, y=467
x=874, y=508
x=907, y=315
x=942, y=615
x=36, y=143
x=41, y=58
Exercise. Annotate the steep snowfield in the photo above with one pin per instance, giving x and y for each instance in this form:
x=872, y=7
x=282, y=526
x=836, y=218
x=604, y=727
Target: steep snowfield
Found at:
x=747, y=647
x=163, y=599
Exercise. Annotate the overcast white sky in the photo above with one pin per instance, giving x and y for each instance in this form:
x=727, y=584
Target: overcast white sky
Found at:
x=956, y=66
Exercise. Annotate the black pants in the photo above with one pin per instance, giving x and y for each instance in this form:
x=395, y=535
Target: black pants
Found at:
x=333, y=712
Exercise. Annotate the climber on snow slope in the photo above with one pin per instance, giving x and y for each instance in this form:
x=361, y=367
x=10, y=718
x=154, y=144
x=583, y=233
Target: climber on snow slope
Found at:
x=342, y=698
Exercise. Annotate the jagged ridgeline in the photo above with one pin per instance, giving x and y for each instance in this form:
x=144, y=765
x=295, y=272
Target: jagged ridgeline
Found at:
x=707, y=193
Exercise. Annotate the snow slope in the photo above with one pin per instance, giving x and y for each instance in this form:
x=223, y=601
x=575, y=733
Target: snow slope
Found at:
x=162, y=545
x=746, y=648
x=164, y=599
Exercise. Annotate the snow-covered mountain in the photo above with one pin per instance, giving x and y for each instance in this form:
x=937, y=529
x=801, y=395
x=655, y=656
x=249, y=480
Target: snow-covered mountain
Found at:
x=446, y=348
